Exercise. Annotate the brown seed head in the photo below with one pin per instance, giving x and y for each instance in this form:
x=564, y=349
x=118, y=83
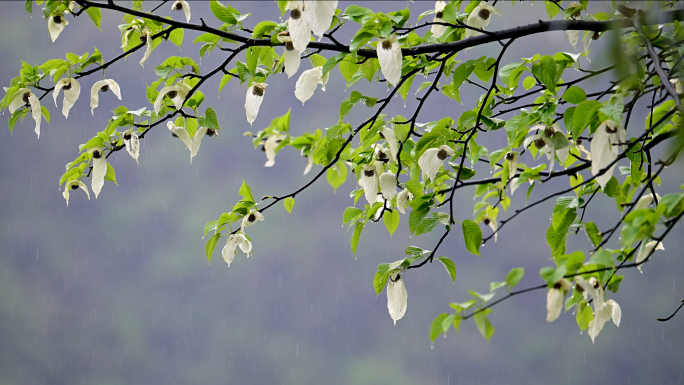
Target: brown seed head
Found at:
x=579, y=289
x=539, y=143
x=386, y=45
x=289, y=46
x=258, y=90
x=510, y=156
x=442, y=154
x=486, y=221
x=549, y=131
x=251, y=218
x=439, y=15
x=295, y=14
x=483, y=14
x=596, y=284
x=557, y=285
x=579, y=141
x=174, y=135
x=96, y=154
x=57, y=19
x=172, y=94
x=211, y=132
x=25, y=97
x=67, y=86
x=178, y=6
x=611, y=130
x=382, y=155
x=368, y=173
x=127, y=136
x=104, y=88
x=74, y=186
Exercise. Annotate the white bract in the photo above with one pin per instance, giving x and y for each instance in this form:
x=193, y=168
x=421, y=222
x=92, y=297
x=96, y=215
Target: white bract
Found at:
x=230, y=249
x=319, y=15
x=181, y=133
x=397, y=297
x=102, y=86
x=588, y=37
x=132, y=142
x=389, y=56
x=573, y=38
x=512, y=159
x=56, y=24
x=554, y=299
x=197, y=141
x=491, y=222
x=177, y=93
x=251, y=218
x=309, y=165
x=645, y=201
x=307, y=82
x=270, y=146
x=603, y=310
x=646, y=250
x=433, y=159
x=99, y=169
x=551, y=140
x=604, y=149
x=148, y=50
x=72, y=90
x=382, y=154
x=387, y=134
x=73, y=185
x=438, y=30
x=480, y=18
x=255, y=95
x=369, y=181
x=402, y=198
x=290, y=54
x=299, y=28
x=182, y=5
x=388, y=185
x=23, y=97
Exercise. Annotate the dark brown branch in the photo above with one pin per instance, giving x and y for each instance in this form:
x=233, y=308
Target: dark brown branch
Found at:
x=673, y=314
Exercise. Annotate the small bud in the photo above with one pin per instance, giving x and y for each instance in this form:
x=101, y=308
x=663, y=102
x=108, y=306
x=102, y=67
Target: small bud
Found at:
x=483, y=14
x=57, y=19
x=549, y=131
x=596, y=36
x=96, y=154
x=386, y=45
x=104, y=88
x=211, y=132
x=510, y=156
x=289, y=46
x=442, y=154
x=127, y=137
x=368, y=173
x=439, y=15
x=539, y=143
x=74, y=186
x=67, y=86
x=578, y=141
x=171, y=94
x=178, y=6
x=486, y=221
x=25, y=97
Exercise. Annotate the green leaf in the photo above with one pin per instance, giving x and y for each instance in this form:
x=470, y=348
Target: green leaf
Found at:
x=209, y=120
x=176, y=36
x=585, y=112
x=414, y=187
x=612, y=188
x=574, y=95
x=351, y=213
x=472, y=234
x=555, y=236
x=483, y=324
x=46, y=113
x=529, y=82
x=110, y=176
x=380, y=278
x=514, y=276
x=593, y=233
x=552, y=8
x=337, y=175
x=95, y=16
x=545, y=71
x=332, y=62
x=246, y=192
x=355, y=237
x=211, y=245
x=391, y=219
x=263, y=28
x=28, y=5
x=427, y=225
x=584, y=315
x=209, y=226
x=449, y=266
x=289, y=204
x=222, y=13
x=602, y=257
x=436, y=327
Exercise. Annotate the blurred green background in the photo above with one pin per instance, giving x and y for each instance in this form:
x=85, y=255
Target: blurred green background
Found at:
x=118, y=291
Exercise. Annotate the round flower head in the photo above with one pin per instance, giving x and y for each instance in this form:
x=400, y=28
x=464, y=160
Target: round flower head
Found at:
x=73, y=185
x=433, y=159
x=251, y=218
x=551, y=140
x=436, y=29
x=105, y=85
x=255, y=95
x=480, y=18
x=389, y=56
x=290, y=54
x=25, y=97
x=56, y=24
x=397, y=297
x=307, y=82
x=181, y=5
x=72, y=90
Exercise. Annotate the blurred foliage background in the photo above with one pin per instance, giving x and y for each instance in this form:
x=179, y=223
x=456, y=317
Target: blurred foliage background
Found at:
x=118, y=291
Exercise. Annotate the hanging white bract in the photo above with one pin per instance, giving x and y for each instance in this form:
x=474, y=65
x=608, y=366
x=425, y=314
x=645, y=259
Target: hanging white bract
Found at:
x=230, y=249
x=436, y=29
x=299, y=28
x=270, y=146
x=603, y=310
x=319, y=15
x=25, y=97
x=402, y=199
x=99, y=169
x=397, y=297
x=181, y=5
x=308, y=81
x=148, y=50
x=390, y=57
x=604, y=150
x=56, y=24
x=480, y=18
x=73, y=185
x=290, y=54
x=72, y=90
x=647, y=250
x=132, y=142
x=369, y=180
x=388, y=185
x=177, y=93
x=255, y=95
x=433, y=159
x=102, y=86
